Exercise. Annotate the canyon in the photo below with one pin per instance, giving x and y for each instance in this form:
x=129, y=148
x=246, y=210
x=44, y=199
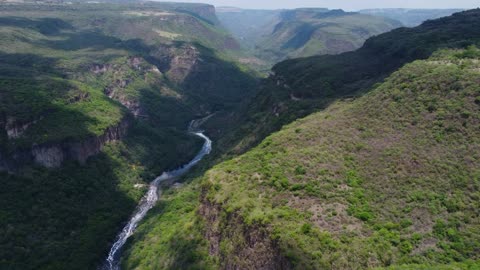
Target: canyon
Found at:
x=342, y=140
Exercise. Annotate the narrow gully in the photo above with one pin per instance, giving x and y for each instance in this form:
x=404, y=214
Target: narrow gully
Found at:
x=151, y=197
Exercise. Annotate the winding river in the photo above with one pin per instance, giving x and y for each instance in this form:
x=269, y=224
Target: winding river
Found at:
x=151, y=197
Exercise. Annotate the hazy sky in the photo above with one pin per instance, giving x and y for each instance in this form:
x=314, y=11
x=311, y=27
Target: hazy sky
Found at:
x=344, y=4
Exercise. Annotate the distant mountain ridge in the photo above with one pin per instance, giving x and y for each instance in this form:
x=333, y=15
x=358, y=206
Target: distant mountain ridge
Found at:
x=274, y=35
x=411, y=17
x=200, y=10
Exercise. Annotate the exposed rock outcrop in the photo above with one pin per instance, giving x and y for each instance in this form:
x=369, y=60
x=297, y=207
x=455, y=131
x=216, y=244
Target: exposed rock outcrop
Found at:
x=118, y=81
x=253, y=248
x=114, y=91
x=177, y=62
x=100, y=69
x=16, y=129
x=52, y=155
x=203, y=11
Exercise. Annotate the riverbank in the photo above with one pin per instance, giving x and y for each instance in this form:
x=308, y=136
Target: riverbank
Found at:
x=150, y=199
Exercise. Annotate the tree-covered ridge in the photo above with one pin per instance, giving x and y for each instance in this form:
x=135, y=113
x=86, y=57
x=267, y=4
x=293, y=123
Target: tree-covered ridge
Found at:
x=298, y=87
x=410, y=17
x=325, y=76
x=388, y=179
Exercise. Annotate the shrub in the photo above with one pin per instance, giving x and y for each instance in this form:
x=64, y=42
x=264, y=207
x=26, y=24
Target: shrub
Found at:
x=365, y=216
x=405, y=247
x=306, y=228
x=299, y=170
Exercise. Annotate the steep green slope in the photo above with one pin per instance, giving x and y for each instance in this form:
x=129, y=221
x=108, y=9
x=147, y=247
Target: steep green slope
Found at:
x=66, y=218
x=135, y=54
x=390, y=178
x=324, y=76
x=102, y=93
x=410, y=17
x=303, y=32
x=171, y=237
x=299, y=87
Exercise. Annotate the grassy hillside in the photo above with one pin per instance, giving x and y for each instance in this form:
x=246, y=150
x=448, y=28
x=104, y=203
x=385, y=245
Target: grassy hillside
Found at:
x=70, y=72
x=302, y=32
x=384, y=180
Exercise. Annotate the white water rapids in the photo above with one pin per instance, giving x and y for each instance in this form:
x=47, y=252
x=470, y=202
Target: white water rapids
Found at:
x=150, y=198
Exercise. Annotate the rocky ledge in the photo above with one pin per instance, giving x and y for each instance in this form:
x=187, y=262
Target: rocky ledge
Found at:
x=52, y=155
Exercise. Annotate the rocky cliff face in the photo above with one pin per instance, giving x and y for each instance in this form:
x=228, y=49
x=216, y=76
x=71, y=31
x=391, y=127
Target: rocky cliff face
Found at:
x=254, y=249
x=119, y=76
x=52, y=155
x=203, y=11
x=181, y=62
x=16, y=129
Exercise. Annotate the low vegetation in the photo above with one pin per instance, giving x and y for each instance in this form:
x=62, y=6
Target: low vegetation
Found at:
x=389, y=179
